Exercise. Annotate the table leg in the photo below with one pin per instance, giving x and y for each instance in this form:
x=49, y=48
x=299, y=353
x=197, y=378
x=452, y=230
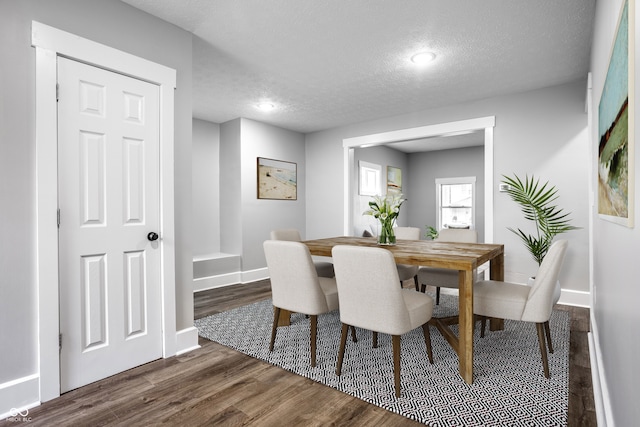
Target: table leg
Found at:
x=497, y=273
x=465, y=336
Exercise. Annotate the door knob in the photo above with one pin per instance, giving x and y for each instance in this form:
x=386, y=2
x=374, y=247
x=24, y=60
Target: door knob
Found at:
x=152, y=236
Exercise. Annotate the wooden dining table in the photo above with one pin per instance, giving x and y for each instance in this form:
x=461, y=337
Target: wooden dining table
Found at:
x=463, y=257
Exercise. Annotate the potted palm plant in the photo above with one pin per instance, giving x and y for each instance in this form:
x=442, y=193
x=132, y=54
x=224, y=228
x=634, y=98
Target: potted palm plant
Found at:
x=536, y=202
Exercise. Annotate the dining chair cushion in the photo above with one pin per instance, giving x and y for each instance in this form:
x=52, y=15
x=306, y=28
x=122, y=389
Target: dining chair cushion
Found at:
x=367, y=297
x=443, y=277
x=295, y=282
x=499, y=299
x=330, y=289
x=290, y=234
x=420, y=309
x=323, y=268
x=520, y=302
x=406, y=271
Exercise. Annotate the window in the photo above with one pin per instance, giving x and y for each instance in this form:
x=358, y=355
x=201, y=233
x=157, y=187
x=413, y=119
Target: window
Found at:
x=370, y=178
x=456, y=202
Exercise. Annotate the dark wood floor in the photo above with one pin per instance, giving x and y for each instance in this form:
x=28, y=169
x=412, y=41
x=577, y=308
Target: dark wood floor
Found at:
x=215, y=385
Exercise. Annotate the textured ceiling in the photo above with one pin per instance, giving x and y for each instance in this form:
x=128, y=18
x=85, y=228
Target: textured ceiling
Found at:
x=327, y=63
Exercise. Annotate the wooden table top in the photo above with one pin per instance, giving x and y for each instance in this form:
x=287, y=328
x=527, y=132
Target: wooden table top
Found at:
x=456, y=256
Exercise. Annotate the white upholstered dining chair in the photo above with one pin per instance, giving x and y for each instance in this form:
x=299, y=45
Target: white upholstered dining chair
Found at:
x=370, y=298
x=442, y=277
x=405, y=271
x=296, y=286
x=323, y=268
x=514, y=301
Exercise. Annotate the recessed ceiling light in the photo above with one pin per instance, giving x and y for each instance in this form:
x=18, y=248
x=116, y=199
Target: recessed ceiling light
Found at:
x=265, y=106
x=423, y=58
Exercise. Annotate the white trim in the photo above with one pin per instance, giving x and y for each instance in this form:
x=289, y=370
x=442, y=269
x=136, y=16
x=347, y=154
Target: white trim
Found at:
x=185, y=339
x=456, y=180
x=255, y=275
x=442, y=129
x=604, y=413
x=228, y=279
x=218, y=281
x=19, y=394
x=575, y=298
x=50, y=43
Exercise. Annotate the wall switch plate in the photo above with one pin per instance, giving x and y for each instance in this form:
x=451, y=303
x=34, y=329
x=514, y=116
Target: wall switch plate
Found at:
x=504, y=187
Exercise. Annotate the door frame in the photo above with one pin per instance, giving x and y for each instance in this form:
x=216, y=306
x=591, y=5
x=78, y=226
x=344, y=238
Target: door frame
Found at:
x=485, y=124
x=49, y=43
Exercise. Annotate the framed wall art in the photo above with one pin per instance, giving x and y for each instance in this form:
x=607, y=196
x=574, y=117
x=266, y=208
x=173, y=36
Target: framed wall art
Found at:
x=394, y=180
x=616, y=169
x=277, y=179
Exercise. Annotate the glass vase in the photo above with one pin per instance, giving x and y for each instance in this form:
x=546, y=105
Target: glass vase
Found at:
x=386, y=236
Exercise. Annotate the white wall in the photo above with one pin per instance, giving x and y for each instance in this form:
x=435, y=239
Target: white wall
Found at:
x=425, y=168
x=543, y=132
x=245, y=220
x=383, y=156
x=114, y=24
x=206, y=188
x=615, y=314
x=260, y=216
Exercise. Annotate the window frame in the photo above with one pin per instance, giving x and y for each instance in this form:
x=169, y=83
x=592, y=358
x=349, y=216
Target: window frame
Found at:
x=452, y=181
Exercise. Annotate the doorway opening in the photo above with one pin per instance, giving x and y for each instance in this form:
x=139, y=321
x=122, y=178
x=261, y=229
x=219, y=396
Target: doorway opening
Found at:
x=485, y=124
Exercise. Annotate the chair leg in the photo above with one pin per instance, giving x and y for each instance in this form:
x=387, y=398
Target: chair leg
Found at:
x=415, y=280
x=547, y=330
x=375, y=339
x=396, y=363
x=353, y=334
x=314, y=333
x=427, y=341
x=543, y=349
x=343, y=343
x=423, y=288
x=438, y=295
x=274, y=328
x=483, y=326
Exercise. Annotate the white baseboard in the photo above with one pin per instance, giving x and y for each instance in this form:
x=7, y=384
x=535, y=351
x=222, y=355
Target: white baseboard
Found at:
x=255, y=275
x=187, y=340
x=212, y=282
x=18, y=396
x=575, y=298
x=604, y=414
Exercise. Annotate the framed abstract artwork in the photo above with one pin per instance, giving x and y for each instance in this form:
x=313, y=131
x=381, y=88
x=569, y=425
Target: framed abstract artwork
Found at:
x=277, y=179
x=616, y=169
x=394, y=180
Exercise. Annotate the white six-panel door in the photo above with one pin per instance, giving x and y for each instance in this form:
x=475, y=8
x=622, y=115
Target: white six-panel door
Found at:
x=108, y=163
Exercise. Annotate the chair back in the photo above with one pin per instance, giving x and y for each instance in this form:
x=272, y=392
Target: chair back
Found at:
x=457, y=235
x=407, y=233
x=290, y=234
x=368, y=291
x=540, y=301
x=294, y=282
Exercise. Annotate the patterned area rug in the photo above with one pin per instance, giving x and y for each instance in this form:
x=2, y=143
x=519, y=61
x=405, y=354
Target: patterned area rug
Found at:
x=509, y=388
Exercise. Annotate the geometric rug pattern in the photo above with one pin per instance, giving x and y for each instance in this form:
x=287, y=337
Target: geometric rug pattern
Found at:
x=509, y=387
